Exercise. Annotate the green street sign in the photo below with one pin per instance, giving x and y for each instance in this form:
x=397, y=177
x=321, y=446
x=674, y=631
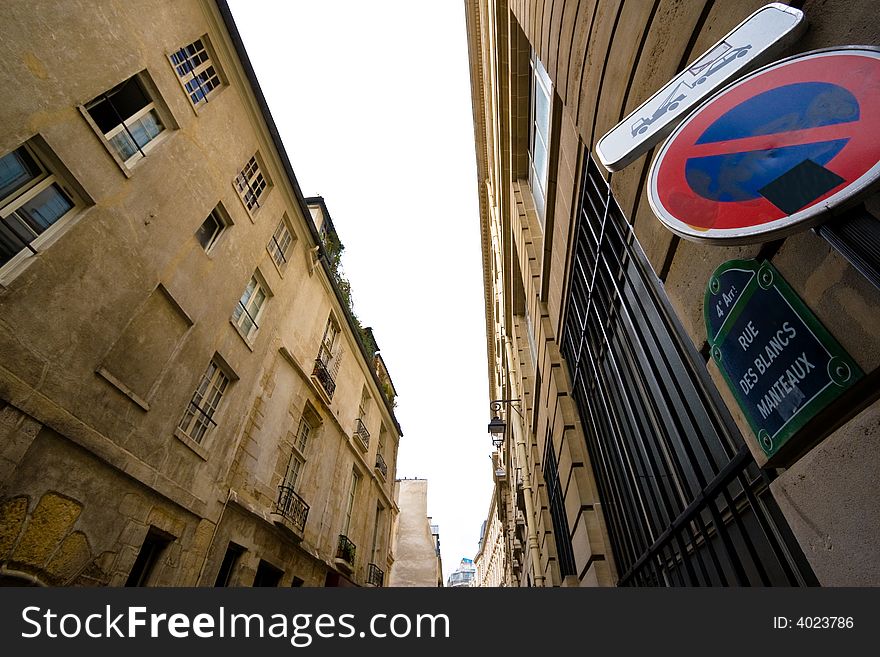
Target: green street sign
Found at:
x=780, y=363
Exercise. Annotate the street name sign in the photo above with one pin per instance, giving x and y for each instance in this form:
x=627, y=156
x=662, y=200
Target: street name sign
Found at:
x=774, y=152
x=780, y=363
x=758, y=39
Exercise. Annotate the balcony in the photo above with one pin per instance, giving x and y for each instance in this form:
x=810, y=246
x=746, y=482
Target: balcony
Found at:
x=290, y=512
x=375, y=575
x=381, y=468
x=361, y=435
x=345, y=553
x=321, y=373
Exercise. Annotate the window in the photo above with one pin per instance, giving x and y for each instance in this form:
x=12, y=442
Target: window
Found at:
x=152, y=548
x=328, y=342
x=349, y=505
x=209, y=232
x=267, y=574
x=251, y=184
x=294, y=468
x=374, y=551
x=128, y=119
x=302, y=435
x=364, y=406
x=329, y=359
x=539, y=137
x=32, y=200
x=197, y=73
x=557, y=512
x=199, y=415
x=279, y=245
x=249, y=308
x=230, y=560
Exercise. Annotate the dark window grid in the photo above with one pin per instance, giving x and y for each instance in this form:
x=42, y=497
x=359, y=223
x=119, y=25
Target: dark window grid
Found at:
x=557, y=513
x=188, y=59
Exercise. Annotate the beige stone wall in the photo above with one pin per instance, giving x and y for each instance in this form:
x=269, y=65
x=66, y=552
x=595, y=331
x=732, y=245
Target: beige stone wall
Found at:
x=108, y=330
x=605, y=57
x=491, y=564
x=416, y=562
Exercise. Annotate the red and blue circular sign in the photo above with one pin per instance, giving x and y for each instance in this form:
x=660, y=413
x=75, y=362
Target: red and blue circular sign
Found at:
x=773, y=151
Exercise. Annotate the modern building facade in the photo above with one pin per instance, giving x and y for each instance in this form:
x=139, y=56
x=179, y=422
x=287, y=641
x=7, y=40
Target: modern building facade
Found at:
x=463, y=576
x=186, y=397
x=626, y=459
x=415, y=541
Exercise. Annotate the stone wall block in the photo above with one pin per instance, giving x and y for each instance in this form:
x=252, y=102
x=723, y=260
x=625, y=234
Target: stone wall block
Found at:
x=73, y=554
x=50, y=522
x=12, y=516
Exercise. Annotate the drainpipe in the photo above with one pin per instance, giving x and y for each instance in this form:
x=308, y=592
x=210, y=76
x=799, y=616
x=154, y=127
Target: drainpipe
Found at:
x=229, y=495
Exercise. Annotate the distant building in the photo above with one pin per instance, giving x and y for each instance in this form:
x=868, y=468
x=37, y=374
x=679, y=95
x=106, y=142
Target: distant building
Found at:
x=415, y=541
x=463, y=575
x=491, y=563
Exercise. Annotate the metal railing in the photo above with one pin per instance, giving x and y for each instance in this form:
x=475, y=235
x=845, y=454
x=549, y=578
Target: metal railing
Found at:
x=292, y=507
x=380, y=464
x=322, y=373
x=683, y=500
x=375, y=575
x=360, y=432
x=345, y=549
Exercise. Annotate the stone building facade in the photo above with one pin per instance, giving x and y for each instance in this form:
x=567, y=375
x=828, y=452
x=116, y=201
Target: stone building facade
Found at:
x=626, y=460
x=416, y=542
x=490, y=562
x=186, y=399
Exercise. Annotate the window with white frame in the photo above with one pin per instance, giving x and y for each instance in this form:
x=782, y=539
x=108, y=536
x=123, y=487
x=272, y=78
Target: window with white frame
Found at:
x=251, y=184
x=302, y=434
x=280, y=244
x=32, y=202
x=198, y=418
x=328, y=342
x=209, y=232
x=294, y=469
x=250, y=307
x=364, y=406
x=349, y=504
x=539, y=137
x=128, y=118
x=197, y=72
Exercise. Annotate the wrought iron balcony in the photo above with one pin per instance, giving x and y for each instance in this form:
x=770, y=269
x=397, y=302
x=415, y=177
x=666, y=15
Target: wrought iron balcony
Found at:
x=375, y=575
x=345, y=552
x=322, y=373
x=292, y=509
x=361, y=433
x=381, y=466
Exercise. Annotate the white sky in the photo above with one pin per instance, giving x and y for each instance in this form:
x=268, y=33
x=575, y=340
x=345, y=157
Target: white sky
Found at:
x=372, y=100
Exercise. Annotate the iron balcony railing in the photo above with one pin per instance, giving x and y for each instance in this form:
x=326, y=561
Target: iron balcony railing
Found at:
x=325, y=378
x=292, y=507
x=346, y=550
x=361, y=433
x=380, y=465
x=375, y=575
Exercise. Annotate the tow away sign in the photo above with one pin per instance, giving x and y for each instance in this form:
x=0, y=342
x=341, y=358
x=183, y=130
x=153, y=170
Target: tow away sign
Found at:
x=756, y=40
x=774, y=152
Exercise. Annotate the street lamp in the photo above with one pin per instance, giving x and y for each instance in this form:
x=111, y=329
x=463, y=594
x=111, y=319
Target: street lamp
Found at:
x=497, y=426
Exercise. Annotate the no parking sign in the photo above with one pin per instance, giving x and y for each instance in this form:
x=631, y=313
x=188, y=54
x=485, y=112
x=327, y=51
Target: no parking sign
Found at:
x=770, y=154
